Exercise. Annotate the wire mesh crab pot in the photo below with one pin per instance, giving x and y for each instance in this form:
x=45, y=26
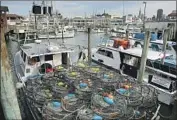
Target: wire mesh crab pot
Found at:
x=139, y=114
x=81, y=66
x=73, y=74
x=108, y=78
x=52, y=110
x=130, y=91
x=41, y=95
x=105, y=104
x=61, y=87
x=149, y=97
x=60, y=68
x=84, y=88
x=71, y=103
x=87, y=114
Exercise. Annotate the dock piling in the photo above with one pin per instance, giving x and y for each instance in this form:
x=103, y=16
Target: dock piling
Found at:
x=144, y=57
x=166, y=37
x=89, y=46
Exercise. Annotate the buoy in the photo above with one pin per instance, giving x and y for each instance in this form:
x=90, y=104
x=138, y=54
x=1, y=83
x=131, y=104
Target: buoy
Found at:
x=108, y=100
x=97, y=117
x=83, y=85
x=122, y=91
x=73, y=73
x=60, y=67
x=60, y=84
x=110, y=96
x=56, y=104
x=71, y=95
x=106, y=76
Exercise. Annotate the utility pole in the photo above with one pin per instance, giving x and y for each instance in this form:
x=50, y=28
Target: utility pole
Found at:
x=144, y=15
x=89, y=47
x=165, y=39
x=127, y=34
x=144, y=56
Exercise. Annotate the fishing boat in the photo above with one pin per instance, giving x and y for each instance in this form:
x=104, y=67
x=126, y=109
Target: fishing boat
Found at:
x=40, y=57
x=61, y=33
x=97, y=30
x=121, y=56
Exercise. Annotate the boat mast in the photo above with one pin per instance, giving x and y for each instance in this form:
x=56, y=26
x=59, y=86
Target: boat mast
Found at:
x=123, y=14
x=47, y=22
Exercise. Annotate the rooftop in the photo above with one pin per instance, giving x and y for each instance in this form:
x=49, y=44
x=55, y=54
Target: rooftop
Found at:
x=34, y=49
x=4, y=9
x=13, y=15
x=137, y=52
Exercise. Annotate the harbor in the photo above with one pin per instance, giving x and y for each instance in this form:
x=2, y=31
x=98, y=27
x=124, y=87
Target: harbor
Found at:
x=89, y=70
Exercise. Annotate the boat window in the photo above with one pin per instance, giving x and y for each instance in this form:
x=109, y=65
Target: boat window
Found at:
x=48, y=57
x=131, y=60
x=22, y=54
x=33, y=60
x=24, y=57
x=101, y=51
x=109, y=54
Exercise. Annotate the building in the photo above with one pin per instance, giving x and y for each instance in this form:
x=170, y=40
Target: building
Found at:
x=3, y=17
x=159, y=14
x=12, y=19
x=172, y=15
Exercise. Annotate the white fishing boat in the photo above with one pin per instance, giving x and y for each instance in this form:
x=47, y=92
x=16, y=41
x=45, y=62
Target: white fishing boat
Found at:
x=39, y=58
x=97, y=30
x=58, y=34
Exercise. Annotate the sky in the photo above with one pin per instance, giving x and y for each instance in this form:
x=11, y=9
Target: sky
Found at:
x=82, y=8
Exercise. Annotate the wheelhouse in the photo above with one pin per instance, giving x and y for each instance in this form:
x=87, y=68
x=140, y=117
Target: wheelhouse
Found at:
x=41, y=58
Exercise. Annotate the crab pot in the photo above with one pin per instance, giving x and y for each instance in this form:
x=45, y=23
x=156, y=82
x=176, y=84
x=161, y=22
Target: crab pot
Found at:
x=60, y=87
x=130, y=91
x=107, y=106
x=60, y=68
x=139, y=114
x=41, y=95
x=83, y=88
x=53, y=110
x=81, y=66
x=71, y=103
x=108, y=78
x=73, y=75
x=94, y=71
x=86, y=114
x=149, y=96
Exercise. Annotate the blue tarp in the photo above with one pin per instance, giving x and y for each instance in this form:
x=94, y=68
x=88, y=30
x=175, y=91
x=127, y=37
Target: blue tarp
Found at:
x=141, y=36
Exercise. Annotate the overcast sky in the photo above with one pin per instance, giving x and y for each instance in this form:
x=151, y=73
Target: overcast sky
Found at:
x=80, y=8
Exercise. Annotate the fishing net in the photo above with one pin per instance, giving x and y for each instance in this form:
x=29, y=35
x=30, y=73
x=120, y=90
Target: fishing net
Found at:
x=52, y=110
x=105, y=104
x=71, y=103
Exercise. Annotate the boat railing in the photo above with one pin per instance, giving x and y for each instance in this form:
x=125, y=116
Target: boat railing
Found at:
x=164, y=69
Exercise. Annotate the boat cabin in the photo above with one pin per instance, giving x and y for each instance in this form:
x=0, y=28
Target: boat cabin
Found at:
x=125, y=60
x=41, y=58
